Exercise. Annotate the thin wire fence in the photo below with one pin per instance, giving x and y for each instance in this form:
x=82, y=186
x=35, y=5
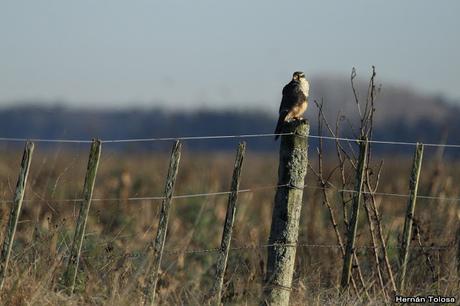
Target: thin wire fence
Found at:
x=254, y=189
x=362, y=248
x=211, y=137
x=300, y=244
x=185, y=138
x=219, y=193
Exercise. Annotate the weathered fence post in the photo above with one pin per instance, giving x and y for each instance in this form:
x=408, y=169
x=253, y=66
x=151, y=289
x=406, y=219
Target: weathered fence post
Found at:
x=15, y=210
x=160, y=239
x=284, y=231
x=70, y=275
x=353, y=225
x=407, y=233
x=228, y=227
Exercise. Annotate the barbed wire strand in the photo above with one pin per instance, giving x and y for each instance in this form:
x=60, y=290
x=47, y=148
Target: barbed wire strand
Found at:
x=302, y=244
x=195, y=138
x=263, y=246
x=210, y=137
x=155, y=198
x=6, y=139
x=218, y=193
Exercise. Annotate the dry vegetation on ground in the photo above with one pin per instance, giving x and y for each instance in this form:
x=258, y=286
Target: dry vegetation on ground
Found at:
x=112, y=269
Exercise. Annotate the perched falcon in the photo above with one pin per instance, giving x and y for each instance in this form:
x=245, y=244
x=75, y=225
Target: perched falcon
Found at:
x=294, y=102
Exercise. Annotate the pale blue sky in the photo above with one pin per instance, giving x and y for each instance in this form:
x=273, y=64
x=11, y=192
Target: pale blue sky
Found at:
x=203, y=53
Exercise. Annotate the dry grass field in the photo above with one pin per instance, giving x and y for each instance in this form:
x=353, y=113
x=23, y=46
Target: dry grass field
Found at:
x=119, y=231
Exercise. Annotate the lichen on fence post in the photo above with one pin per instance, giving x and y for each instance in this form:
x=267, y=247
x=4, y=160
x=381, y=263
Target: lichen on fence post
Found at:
x=70, y=275
x=293, y=162
x=353, y=225
x=160, y=239
x=15, y=210
x=407, y=232
x=228, y=226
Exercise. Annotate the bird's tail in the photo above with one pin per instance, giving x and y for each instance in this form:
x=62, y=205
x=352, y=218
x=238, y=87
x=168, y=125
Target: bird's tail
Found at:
x=279, y=126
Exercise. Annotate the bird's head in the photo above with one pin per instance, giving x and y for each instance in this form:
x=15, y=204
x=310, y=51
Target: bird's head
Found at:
x=298, y=75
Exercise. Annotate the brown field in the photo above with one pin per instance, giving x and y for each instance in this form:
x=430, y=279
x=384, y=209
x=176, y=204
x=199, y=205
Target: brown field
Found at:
x=113, y=263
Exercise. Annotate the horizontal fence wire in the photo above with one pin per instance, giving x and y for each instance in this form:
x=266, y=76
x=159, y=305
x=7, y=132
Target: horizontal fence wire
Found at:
x=210, y=137
x=6, y=139
x=362, y=248
x=219, y=193
x=302, y=245
x=155, y=198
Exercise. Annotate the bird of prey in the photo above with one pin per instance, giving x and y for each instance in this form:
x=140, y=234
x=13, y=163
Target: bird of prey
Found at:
x=294, y=102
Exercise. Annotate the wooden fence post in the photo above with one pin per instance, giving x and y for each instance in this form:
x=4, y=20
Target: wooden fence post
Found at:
x=228, y=227
x=407, y=233
x=160, y=239
x=284, y=230
x=353, y=226
x=15, y=210
x=70, y=275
